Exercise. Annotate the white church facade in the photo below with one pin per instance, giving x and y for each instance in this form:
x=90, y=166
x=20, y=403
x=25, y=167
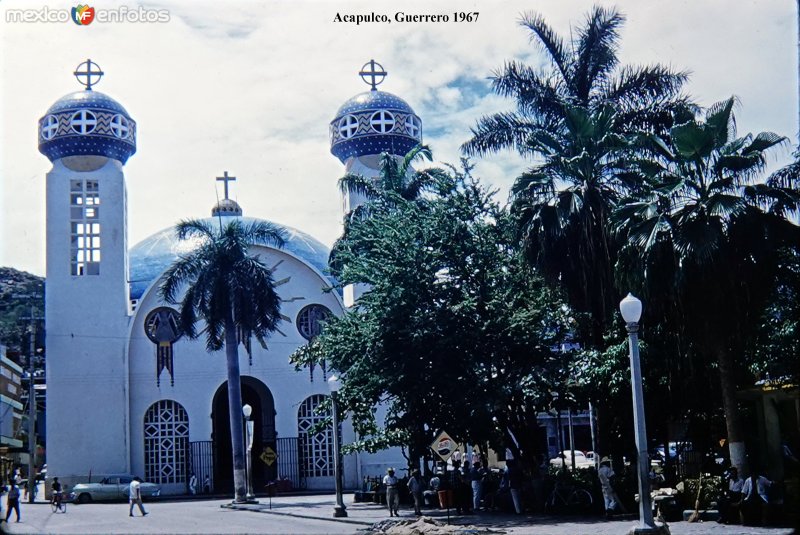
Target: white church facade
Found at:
x=126, y=392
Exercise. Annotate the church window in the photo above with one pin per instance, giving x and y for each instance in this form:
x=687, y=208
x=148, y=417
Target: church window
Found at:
x=49, y=127
x=84, y=230
x=83, y=122
x=309, y=320
x=316, y=448
x=382, y=121
x=348, y=126
x=166, y=439
x=413, y=126
x=120, y=126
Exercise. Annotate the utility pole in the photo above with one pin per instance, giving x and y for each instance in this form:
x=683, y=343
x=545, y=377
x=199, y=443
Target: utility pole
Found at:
x=31, y=396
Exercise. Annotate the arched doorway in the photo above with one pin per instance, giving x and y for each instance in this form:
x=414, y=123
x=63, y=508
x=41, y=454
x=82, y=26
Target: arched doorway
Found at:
x=257, y=395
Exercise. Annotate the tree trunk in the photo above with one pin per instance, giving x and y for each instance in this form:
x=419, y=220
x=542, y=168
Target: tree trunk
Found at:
x=235, y=410
x=733, y=422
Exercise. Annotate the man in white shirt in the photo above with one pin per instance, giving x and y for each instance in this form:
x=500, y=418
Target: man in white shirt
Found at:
x=135, y=496
x=392, y=492
x=755, y=498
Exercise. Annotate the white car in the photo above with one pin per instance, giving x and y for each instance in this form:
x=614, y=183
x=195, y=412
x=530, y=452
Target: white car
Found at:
x=111, y=488
x=581, y=460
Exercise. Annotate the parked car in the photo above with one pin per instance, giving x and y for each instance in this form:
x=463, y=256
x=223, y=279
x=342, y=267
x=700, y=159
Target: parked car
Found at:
x=581, y=461
x=111, y=488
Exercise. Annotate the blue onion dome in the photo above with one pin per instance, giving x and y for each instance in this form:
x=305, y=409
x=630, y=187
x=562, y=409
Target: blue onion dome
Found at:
x=152, y=256
x=374, y=122
x=87, y=123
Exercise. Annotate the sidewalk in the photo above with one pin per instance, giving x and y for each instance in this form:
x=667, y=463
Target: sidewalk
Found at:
x=364, y=515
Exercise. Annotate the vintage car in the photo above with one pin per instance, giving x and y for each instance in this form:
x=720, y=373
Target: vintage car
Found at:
x=111, y=488
x=565, y=459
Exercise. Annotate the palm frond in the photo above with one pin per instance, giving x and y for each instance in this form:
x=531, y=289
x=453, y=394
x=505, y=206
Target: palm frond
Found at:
x=497, y=132
x=549, y=40
x=598, y=41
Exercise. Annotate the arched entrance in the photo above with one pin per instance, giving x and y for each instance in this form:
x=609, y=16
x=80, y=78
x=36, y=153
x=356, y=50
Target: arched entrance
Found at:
x=257, y=395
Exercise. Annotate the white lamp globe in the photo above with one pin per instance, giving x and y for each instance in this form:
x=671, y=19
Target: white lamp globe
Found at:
x=334, y=384
x=631, y=309
x=247, y=410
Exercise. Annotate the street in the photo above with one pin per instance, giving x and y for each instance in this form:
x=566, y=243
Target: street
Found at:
x=312, y=514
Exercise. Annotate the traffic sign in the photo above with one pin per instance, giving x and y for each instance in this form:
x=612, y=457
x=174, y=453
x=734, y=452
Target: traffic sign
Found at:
x=444, y=446
x=268, y=456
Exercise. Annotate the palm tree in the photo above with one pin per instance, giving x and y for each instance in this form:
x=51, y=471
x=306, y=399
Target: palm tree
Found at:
x=702, y=212
x=573, y=117
x=396, y=179
x=232, y=292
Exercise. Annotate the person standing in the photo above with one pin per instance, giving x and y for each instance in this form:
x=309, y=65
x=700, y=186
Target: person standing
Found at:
x=135, y=495
x=416, y=486
x=755, y=499
x=12, y=501
x=476, y=478
x=392, y=492
x=206, y=485
x=193, y=484
x=605, y=474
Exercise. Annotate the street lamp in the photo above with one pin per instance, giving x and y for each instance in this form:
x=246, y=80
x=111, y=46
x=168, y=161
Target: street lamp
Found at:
x=247, y=411
x=631, y=309
x=334, y=385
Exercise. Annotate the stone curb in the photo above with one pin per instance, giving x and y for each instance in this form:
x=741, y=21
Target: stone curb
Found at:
x=297, y=515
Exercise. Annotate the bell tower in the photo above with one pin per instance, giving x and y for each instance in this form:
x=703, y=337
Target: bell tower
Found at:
x=88, y=137
x=366, y=126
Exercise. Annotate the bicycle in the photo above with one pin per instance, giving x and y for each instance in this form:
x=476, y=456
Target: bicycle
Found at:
x=59, y=502
x=569, y=497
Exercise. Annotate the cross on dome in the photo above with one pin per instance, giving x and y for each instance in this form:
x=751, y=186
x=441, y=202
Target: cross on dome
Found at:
x=373, y=74
x=88, y=73
x=50, y=127
x=225, y=178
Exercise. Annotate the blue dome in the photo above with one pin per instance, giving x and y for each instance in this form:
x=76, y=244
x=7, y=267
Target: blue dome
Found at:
x=152, y=256
x=374, y=122
x=87, y=123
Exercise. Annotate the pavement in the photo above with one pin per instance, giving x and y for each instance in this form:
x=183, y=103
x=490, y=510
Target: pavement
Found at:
x=366, y=515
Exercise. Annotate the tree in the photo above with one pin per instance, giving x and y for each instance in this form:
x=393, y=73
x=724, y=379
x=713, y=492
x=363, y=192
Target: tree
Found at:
x=573, y=117
x=704, y=223
x=233, y=293
x=455, y=331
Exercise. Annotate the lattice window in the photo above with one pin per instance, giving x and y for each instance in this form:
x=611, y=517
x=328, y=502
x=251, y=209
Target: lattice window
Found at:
x=84, y=215
x=166, y=439
x=316, y=447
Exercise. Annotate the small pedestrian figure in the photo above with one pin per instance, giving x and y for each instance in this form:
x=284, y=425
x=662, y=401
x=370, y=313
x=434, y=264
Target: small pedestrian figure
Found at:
x=416, y=486
x=12, y=501
x=755, y=499
x=476, y=475
x=392, y=492
x=206, y=485
x=135, y=494
x=193, y=484
x=605, y=474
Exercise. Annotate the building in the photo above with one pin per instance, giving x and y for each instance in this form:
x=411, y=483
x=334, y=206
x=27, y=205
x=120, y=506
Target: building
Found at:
x=10, y=414
x=126, y=392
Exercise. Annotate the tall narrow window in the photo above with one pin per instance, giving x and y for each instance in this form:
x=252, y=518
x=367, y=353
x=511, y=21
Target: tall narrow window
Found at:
x=166, y=438
x=84, y=214
x=316, y=447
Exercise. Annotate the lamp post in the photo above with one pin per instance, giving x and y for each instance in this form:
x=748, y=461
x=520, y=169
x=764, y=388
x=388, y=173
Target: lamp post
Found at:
x=334, y=385
x=247, y=411
x=631, y=309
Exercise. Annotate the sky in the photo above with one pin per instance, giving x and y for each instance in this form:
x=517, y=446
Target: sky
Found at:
x=250, y=88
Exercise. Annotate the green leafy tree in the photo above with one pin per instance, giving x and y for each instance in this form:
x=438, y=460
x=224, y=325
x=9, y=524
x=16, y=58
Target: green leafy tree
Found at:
x=705, y=234
x=455, y=332
x=231, y=292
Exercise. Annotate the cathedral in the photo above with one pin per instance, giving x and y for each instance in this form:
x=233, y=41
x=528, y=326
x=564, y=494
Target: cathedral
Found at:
x=126, y=392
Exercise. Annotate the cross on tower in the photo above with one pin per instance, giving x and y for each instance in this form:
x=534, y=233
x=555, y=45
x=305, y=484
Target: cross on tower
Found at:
x=88, y=74
x=372, y=73
x=225, y=178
